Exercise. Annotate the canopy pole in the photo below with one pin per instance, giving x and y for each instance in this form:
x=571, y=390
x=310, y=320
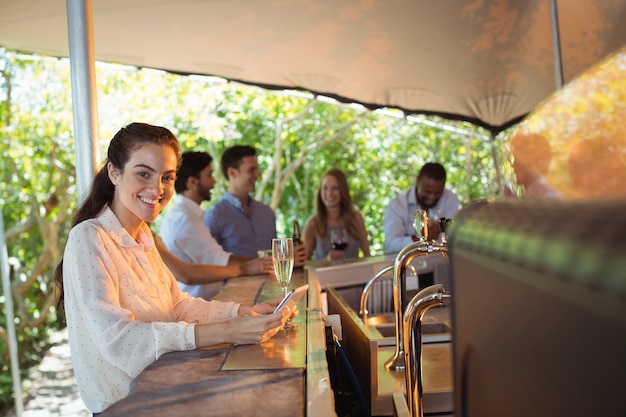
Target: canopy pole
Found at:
x=8, y=304
x=496, y=161
x=84, y=103
x=556, y=45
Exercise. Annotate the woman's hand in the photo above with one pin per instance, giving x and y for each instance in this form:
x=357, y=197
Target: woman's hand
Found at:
x=268, y=307
x=255, y=328
x=242, y=330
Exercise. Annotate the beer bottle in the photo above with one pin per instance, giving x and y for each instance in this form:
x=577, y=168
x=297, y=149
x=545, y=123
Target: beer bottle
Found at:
x=297, y=240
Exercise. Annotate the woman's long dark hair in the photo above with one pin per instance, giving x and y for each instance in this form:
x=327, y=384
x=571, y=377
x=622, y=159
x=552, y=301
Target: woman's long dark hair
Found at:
x=346, y=209
x=123, y=144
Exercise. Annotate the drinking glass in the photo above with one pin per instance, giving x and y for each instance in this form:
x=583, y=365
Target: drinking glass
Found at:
x=282, y=256
x=338, y=239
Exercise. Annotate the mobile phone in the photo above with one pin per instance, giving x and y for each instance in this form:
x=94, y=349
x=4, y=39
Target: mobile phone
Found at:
x=292, y=297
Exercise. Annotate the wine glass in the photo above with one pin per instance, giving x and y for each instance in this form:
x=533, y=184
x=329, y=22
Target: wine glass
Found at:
x=282, y=256
x=339, y=239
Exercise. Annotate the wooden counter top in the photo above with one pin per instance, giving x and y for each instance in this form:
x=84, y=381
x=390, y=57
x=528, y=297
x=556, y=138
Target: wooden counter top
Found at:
x=193, y=384
x=285, y=376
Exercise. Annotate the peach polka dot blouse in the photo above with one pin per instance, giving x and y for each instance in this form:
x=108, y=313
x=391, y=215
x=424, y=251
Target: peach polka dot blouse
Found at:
x=124, y=308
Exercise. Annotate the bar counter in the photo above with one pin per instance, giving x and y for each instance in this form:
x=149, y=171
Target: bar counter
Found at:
x=284, y=376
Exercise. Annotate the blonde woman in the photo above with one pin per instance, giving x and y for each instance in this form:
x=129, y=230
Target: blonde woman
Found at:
x=335, y=216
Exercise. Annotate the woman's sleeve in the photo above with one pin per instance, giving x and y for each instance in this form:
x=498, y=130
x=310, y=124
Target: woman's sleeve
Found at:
x=104, y=329
x=198, y=310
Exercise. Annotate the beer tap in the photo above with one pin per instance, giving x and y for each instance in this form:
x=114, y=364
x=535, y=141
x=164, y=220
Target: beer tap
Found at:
x=422, y=247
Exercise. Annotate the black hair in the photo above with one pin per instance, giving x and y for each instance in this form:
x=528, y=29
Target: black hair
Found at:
x=433, y=170
x=192, y=163
x=232, y=157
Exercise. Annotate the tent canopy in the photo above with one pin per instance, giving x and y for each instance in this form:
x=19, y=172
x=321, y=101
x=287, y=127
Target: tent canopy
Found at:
x=486, y=61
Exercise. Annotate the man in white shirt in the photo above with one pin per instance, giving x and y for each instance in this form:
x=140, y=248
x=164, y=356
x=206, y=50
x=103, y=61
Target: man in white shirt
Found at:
x=186, y=236
x=428, y=193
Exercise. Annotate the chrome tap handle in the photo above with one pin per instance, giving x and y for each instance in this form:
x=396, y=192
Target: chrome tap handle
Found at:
x=403, y=259
x=412, y=324
x=420, y=224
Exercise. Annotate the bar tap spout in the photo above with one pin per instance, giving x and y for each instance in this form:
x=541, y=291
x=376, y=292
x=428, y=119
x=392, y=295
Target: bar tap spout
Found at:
x=420, y=248
x=380, y=275
x=412, y=324
x=368, y=288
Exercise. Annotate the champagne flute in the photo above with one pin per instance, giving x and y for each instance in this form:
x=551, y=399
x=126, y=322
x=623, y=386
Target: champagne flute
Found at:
x=282, y=256
x=338, y=239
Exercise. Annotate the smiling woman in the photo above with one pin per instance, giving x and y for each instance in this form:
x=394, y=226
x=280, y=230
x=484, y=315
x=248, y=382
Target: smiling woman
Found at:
x=123, y=306
x=335, y=214
x=146, y=187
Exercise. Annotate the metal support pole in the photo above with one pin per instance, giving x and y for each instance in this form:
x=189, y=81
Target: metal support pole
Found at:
x=8, y=304
x=556, y=45
x=84, y=103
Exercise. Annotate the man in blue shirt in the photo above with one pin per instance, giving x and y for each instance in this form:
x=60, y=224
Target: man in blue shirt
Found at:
x=185, y=235
x=239, y=223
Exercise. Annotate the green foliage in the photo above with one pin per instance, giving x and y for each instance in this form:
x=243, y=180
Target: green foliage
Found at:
x=36, y=172
x=297, y=139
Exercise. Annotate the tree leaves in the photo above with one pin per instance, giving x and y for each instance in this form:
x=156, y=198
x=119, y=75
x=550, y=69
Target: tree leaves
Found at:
x=297, y=137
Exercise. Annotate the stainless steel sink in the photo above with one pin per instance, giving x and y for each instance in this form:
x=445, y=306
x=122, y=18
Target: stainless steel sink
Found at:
x=435, y=328
x=370, y=344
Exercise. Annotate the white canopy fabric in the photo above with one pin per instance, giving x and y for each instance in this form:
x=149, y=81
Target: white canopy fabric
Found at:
x=486, y=61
